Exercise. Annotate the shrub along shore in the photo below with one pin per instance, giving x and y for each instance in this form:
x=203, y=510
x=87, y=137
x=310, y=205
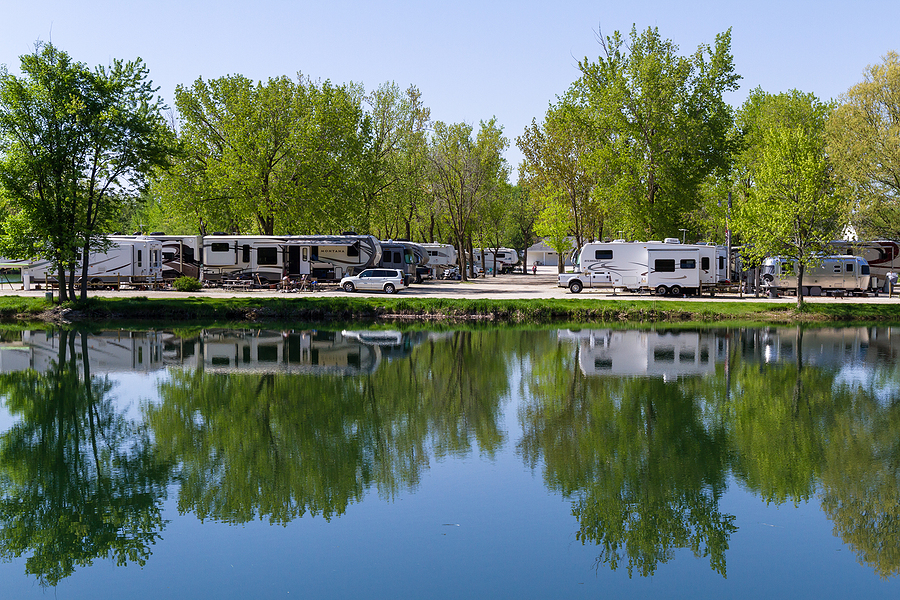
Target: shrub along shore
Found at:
x=353, y=309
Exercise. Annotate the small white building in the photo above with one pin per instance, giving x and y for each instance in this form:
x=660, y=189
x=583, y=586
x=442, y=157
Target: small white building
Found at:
x=542, y=254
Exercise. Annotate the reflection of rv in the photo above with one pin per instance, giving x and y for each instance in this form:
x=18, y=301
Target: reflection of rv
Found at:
x=311, y=352
x=108, y=351
x=129, y=260
x=253, y=351
x=833, y=273
x=667, y=268
x=667, y=354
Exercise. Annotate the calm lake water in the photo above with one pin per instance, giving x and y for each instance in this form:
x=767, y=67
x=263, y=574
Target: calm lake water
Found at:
x=613, y=463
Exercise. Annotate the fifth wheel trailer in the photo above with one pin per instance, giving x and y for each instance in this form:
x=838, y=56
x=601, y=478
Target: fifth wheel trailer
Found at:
x=664, y=267
x=129, y=260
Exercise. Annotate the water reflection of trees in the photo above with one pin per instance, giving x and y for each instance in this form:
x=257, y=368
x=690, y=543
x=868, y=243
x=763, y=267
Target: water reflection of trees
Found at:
x=78, y=480
x=786, y=412
x=643, y=472
x=262, y=445
x=791, y=414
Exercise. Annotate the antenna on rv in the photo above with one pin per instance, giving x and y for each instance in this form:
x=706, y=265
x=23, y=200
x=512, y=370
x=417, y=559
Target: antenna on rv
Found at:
x=683, y=233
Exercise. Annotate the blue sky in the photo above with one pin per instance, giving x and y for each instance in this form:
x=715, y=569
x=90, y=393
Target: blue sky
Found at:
x=471, y=60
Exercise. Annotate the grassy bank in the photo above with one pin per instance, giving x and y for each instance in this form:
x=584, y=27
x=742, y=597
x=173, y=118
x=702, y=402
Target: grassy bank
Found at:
x=190, y=308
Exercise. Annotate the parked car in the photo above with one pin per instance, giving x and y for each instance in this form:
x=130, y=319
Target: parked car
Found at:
x=389, y=280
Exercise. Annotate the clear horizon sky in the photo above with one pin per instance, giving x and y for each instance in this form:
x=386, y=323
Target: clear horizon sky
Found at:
x=471, y=60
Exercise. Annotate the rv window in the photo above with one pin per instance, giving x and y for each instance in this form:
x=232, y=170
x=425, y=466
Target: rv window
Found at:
x=603, y=254
x=864, y=270
x=219, y=247
x=353, y=250
x=245, y=253
x=140, y=256
x=721, y=263
x=397, y=258
x=305, y=254
x=267, y=255
x=688, y=263
x=849, y=267
x=704, y=263
x=408, y=255
x=664, y=265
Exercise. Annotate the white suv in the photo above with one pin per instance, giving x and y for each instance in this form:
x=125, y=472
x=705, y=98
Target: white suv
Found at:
x=389, y=280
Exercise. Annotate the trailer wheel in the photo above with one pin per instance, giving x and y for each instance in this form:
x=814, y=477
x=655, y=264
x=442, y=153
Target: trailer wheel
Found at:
x=675, y=290
x=662, y=290
x=348, y=287
x=576, y=286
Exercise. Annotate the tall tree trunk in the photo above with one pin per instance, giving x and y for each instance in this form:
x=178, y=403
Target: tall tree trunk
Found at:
x=61, y=283
x=85, y=264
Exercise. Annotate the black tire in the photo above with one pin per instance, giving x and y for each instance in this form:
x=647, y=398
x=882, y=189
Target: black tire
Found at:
x=349, y=287
x=389, y=288
x=575, y=286
x=675, y=290
x=662, y=290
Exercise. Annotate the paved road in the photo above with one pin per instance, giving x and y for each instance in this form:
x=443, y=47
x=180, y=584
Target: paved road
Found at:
x=541, y=285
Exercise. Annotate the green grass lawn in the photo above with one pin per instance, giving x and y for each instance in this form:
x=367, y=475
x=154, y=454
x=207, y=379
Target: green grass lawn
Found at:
x=587, y=310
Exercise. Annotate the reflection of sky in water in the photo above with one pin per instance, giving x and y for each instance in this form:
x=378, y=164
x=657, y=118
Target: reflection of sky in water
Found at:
x=6, y=421
x=129, y=392
x=870, y=378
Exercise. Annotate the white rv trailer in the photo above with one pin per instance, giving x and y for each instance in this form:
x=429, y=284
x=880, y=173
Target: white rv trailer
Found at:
x=666, y=268
x=883, y=256
x=440, y=257
x=130, y=260
x=333, y=257
x=264, y=259
x=834, y=273
x=182, y=255
x=259, y=258
x=505, y=258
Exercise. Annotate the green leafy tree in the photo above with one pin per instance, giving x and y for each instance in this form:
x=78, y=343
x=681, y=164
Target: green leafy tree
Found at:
x=270, y=157
x=74, y=144
x=464, y=173
x=393, y=179
x=862, y=134
x=555, y=155
x=793, y=210
x=662, y=125
x=523, y=215
x=553, y=224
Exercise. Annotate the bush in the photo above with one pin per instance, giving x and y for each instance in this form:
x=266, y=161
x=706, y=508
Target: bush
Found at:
x=187, y=284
